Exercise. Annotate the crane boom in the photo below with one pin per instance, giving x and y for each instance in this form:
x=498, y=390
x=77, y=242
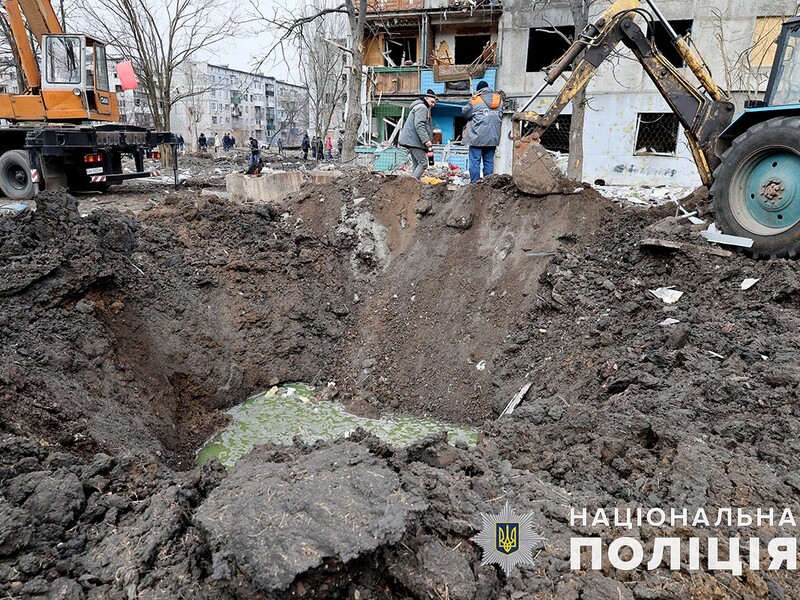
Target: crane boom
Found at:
x=41, y=17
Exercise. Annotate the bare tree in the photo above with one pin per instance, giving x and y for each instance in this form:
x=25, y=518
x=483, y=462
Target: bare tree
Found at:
x=287, y=24
x=580, y=15
x=193, y=102
x=9, y=55
x=293, y=105
x=321, y=48
x=746, y=63
x=159, y=36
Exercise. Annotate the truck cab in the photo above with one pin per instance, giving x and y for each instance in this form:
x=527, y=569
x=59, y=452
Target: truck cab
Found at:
x=75, y=83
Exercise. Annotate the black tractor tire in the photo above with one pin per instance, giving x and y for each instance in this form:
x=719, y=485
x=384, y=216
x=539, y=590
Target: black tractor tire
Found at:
x=15, y=175
x=756, y=188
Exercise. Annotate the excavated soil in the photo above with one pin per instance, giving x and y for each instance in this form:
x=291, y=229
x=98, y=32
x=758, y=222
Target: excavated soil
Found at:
x=126, y=335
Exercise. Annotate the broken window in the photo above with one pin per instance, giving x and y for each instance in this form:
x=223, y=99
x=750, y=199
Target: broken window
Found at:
x=470, y=47
x=762, y=51
x=398, y=51
x=663, y=42
x=556, y=137
x=656, y=133
x=389, y=125
x=546, y=45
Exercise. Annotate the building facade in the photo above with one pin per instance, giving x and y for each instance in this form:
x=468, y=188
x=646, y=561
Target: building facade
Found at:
x=630, y=135
x=216, y=100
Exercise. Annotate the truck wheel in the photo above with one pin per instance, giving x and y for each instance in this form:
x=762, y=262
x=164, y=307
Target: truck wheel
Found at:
x=756, y=188
x=15, y=175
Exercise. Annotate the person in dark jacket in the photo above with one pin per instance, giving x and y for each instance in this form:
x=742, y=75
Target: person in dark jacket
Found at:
x=202, y=142
x=255, y=154
x=417, y=132
x=339, y=146
x=304, y=145
x=484, y=115
x=320, y=149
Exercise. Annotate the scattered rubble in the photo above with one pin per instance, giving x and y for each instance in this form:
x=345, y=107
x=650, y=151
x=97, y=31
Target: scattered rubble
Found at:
x=126, y=334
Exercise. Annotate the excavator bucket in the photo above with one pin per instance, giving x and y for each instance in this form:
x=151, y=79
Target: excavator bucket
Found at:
x=535, y=172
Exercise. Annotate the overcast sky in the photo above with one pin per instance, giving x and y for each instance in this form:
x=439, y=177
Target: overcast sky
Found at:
x=247, y=50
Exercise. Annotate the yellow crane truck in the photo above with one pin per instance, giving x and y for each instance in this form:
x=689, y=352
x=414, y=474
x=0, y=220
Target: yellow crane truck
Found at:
x=63, y=129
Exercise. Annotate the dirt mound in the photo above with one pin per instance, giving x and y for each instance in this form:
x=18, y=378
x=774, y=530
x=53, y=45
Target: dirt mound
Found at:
x=129, y=333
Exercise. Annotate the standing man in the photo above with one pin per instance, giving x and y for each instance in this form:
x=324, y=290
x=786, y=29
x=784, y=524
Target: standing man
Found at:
x=417, y=132
x=202, y=142
x=280, y=145
x=181, y=142
x=320, y=149
x=484, y=114
x=304, y=145
x=340, y=145
x=255, y=154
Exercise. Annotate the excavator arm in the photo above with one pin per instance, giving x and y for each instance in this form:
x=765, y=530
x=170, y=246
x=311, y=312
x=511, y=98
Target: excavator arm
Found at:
x=704, y=112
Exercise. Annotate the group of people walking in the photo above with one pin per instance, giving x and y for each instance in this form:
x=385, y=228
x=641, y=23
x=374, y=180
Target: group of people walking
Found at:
x=227, y=142
x=320, y=149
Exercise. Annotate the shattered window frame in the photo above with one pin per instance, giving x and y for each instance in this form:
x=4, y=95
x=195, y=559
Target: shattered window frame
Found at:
x=656, y=134
x=555, y=43
x=658, y=33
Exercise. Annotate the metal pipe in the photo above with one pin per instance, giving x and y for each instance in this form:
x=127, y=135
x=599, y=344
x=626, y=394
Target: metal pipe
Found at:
x=657, y=11
x=534, y=97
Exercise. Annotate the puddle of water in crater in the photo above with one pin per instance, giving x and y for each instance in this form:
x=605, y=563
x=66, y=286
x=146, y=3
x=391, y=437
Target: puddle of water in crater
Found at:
x=288, y=411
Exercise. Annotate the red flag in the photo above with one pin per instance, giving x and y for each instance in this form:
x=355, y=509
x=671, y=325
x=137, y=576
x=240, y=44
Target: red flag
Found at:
x=127, y=78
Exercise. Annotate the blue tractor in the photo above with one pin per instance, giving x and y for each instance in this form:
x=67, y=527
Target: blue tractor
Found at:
x=756, y=187
x=751, y=163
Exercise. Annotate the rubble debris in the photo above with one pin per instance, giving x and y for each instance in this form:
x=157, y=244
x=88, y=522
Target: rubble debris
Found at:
x=514, y=402
x=748, y=283
x=714, y=235
x=668, y=295
x=112, y=379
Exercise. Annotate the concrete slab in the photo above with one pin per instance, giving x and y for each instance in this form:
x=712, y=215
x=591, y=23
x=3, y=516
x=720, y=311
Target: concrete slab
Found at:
x=265, y=187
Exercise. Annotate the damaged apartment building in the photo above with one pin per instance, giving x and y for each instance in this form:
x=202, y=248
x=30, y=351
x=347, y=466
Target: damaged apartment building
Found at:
x=630, y=135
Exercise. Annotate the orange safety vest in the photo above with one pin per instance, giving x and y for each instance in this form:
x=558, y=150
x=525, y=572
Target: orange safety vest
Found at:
x=496, y=100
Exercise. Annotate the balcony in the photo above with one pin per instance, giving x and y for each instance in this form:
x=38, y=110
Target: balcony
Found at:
x=381, y=6
x=465, y=4
x=413, y=81
x=391, y=81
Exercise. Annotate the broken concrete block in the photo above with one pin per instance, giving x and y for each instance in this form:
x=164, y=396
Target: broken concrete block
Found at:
x=265, y=187
x=322, y=177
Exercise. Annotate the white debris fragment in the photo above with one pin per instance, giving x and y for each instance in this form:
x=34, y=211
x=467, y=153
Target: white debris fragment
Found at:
x=669, y=321
x=481, y=365
x=715, y=355
x=667, y=294
x=357, y=201
x=712, y=234
x=643, y=195
x=748, y=283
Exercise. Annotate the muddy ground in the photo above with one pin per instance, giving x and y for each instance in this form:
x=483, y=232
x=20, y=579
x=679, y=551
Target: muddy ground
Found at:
x=127, y=333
